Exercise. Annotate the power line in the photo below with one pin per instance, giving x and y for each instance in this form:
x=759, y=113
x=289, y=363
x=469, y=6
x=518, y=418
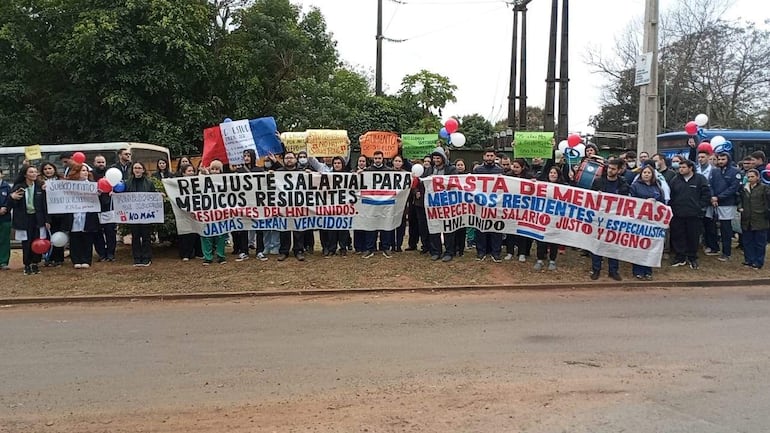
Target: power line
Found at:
x=443, y=28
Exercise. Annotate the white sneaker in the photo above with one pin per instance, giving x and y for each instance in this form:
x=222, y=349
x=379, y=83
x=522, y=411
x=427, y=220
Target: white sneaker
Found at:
x=539, y=265
x=522, y=258
x=78, y=266
x=242, y=257
x=185, y=259
x=261, y=256
x=508, y=256
x=552, y=265
x=85, y=266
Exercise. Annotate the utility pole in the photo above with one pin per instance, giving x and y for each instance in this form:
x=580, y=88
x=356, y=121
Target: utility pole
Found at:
x=647, y=135
x=523, y=65
x=549, y=122
x=564, y=74
x=512, y=82
x=378, y=72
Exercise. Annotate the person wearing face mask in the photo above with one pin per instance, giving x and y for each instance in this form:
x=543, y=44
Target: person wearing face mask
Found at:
x=632, y=168
x=293, y=241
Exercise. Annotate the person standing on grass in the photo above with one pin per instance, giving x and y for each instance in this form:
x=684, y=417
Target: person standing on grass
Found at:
x=611, y=182
x=55, y=257
x=690, y=195
x=216, y=242
x=81, y=225
x=187, y=241
x=29, y=215
x=5, y=223
x=105, y=238
x=141, y=234
x=552, y=250
x=754, y=208
x=646, y=187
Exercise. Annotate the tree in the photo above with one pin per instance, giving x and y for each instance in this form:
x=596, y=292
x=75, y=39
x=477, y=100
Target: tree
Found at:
x=477, y=130
x=431, y=92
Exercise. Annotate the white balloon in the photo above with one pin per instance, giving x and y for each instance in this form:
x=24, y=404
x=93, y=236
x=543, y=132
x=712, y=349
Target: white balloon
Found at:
x=563, y=145
x=717, y=141
x=59, y=239
x=701, y=119
x=113, y=176
x=458, y=139
x=418, y=170
x=581, y=148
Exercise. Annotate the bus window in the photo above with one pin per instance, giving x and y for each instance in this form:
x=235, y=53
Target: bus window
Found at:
x=148, y=157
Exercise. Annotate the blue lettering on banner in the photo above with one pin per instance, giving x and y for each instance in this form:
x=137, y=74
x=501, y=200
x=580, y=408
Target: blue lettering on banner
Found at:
x=222, y=227
x=636, y=229
x=323, y=223
x=269, y=224
x=449, y=198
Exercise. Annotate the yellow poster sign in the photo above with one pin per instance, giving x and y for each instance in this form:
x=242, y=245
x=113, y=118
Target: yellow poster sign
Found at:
x=327, y=142
x=294, y=141
x=32, y=153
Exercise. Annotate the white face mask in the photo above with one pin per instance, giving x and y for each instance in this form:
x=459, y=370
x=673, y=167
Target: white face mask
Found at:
x=268, y=164
x=631, y=164
x=302, y=161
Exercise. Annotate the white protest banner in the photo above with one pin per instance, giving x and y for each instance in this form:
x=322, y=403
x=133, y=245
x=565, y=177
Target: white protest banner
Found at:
x=138, y=208
x=237, y=137
x=71, y=196
x=610, y=225
x=288, y=201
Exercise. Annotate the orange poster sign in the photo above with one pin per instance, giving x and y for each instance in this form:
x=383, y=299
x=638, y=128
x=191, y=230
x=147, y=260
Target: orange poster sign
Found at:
x=327, y=142
x=387, y=142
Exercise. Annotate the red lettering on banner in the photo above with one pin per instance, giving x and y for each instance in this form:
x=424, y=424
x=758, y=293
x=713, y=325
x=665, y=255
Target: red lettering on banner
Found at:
x=500, y=185
x=562, y=194
x=539, y=189
x=438, y=183
x=629, y=208
x=454, y=183
x=444, y=212
x=646, y=211
x=610, y=200
x=628, y=240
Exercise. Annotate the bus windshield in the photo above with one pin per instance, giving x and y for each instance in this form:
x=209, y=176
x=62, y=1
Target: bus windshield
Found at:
x=744, y=142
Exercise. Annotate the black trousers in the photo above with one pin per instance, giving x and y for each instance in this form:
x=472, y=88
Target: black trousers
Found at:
x=436, y=247
x=141, y=242
x=187, y=245
x=460, y=235
x=105, y=240
x=422, y=225
x=544, y=247
x=298, y=239
x=489, y=243
x=330, y=239
x=241, y=242
x=81, y=247
x=33, y=232
x=57, y=253
x=685, y=234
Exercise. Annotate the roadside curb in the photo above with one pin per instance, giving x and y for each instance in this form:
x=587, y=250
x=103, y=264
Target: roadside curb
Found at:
x=322, y=292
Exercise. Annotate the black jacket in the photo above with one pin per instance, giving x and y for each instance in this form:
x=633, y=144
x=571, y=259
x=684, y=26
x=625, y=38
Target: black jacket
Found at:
x=5, y=200
x=689, y=198
x=20, y=217
x=600, y=184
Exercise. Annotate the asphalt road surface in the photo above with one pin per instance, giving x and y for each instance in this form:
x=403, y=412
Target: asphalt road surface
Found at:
x=680, y=360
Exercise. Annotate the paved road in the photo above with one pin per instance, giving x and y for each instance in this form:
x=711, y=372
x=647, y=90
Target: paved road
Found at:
x=587, y=361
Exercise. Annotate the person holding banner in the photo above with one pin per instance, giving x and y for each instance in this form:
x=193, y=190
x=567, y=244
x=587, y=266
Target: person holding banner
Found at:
x=55, y=257
x=187, y=241
x=554, y=175
x=646, y=186
x=399, y=165
x=387, y=238
x=29, y=215
x=141, y=234
x=489, y=243
x=610, y=182
x=359, y=236
x=216, y=242
x=105, y=237
x=520, y=169
x=82, y=225
x=291, y=240
x=439, y=168
x=5, y=223
x=334, y=238
x=241, y=238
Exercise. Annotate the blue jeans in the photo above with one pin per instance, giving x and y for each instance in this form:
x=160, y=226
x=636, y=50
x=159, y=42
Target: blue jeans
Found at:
x=596, y=264
x=386, y=240
x=754, y=243
x=488, y=243
x=641, y=270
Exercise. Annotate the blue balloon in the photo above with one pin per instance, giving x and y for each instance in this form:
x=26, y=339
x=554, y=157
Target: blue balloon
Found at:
x=227, y=119
x=443, y=133
x=727, y=146
x=701, y=134
x=572, y=153
x=120, y=187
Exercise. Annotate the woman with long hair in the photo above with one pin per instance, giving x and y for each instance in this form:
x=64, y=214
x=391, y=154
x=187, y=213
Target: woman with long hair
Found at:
x=754, y=204
x=163, y=171
x=81, y=225
x=462, y=233
x=182, y=160
x=519, y=168
x=141, y=234
x=187, y=242
x=554, y=175
x=29, y=215
x=55, y=257
x=646, y=186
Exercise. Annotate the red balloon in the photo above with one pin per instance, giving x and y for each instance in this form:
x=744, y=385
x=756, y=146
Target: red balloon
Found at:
x=767, y=167
x=691, y=127
x=104, y=185
x=573, y=140
x=79, y=157
x=41, y=246
x=705, y=146
x=451, y=125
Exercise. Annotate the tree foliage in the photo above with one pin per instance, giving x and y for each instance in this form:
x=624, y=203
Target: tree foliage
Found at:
x=706, y=65
x=162, y=70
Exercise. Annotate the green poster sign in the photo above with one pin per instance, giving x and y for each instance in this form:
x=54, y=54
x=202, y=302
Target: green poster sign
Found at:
x=533, y=144
x=416, y=146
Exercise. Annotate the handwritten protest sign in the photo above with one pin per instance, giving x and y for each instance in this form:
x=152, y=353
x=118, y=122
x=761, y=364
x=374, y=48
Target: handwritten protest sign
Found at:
x=386, y=142
x=71, y=196
x=621, y=227
x=33, y=153
x=237, y=137
x=416, y=146
x=327, y=142
x=294, y=141
x=138, y=208
x=533, y=144
x=288, y=201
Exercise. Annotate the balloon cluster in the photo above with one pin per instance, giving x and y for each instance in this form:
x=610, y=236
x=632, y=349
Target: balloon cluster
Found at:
x=572, y=147
x=764, y=175
x=449, y=133
x=112, y=181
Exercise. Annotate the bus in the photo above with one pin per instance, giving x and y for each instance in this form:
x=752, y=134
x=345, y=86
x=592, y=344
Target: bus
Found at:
x=744, y=142
x=12, y=158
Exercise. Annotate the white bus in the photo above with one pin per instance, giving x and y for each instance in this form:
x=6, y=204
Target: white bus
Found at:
x=11, y=158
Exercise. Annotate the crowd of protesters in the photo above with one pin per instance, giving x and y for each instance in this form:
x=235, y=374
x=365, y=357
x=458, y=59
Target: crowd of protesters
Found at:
x=710, y=196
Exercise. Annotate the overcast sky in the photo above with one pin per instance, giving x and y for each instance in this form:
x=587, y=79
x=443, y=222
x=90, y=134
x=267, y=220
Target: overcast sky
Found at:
x=469, y=41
